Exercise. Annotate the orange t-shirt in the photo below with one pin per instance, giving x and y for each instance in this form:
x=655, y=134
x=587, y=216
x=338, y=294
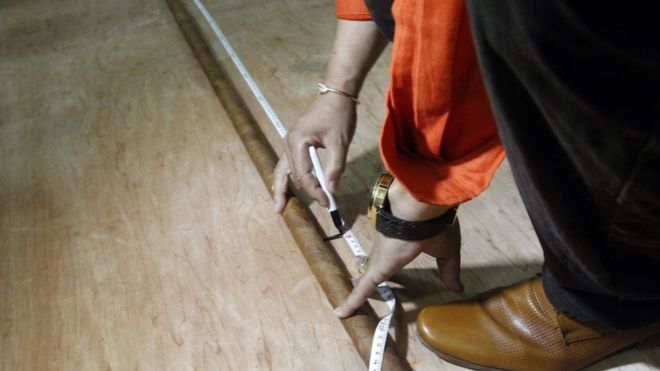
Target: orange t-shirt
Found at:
x=439, y=137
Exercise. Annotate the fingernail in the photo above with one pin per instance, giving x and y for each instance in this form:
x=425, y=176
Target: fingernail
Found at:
x=337, y=312
x=332, y=185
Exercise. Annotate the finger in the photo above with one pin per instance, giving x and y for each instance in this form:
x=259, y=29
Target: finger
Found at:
x=301, y=173
x=450, y=272
x=279, y=187
x=366, y=285
x=289, y=156
x=336, y=163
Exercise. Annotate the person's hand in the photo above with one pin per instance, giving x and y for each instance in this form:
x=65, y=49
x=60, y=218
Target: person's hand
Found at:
x=328, y=123
x=388, y=256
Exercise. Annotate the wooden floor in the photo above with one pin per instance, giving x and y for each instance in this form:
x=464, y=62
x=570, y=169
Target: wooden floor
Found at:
x=134, y=231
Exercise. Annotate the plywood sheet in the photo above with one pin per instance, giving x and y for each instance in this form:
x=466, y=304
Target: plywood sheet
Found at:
x=134, y=231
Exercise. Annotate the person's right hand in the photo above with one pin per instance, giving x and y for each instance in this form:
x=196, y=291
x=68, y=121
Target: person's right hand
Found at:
x=328, y=123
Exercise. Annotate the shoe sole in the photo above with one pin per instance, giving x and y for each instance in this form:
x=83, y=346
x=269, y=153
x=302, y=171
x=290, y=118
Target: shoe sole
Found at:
x=644, y=344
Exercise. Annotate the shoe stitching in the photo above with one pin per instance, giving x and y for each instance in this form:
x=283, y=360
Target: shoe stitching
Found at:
x=572, y=337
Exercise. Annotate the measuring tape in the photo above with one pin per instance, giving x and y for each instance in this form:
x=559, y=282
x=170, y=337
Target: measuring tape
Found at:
x=380, y=334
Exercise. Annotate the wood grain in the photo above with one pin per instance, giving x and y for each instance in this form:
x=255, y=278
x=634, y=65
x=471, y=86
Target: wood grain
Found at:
x=134, y=231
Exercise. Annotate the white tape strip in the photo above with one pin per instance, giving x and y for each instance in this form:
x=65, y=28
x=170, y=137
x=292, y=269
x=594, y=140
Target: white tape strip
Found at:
x=281, y=130
x=380, y=335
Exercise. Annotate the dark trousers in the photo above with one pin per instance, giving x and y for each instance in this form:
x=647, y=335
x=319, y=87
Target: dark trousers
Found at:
x=575, y=88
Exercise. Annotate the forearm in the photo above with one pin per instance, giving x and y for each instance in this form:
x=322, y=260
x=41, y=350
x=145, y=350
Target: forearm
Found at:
x=357, y=46
x=405, y=206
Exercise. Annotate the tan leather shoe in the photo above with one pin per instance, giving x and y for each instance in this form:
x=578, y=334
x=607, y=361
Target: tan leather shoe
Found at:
x=516, y=328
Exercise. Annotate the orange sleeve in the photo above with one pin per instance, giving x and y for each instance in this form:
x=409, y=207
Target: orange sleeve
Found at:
x=439, y=137
x=352, y=10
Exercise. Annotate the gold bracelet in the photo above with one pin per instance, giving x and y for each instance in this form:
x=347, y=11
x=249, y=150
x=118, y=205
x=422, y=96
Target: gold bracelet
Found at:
x=323, y=89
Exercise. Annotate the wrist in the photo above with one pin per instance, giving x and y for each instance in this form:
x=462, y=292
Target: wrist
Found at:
x=396, y=213
x=347, y=85
x=324, y=89
x=405, y=206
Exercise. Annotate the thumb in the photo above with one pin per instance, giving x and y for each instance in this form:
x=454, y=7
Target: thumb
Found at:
x=449, y=269
x=279, y=187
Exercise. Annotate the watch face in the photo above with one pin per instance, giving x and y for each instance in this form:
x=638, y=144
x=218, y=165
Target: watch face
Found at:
x=379, y=195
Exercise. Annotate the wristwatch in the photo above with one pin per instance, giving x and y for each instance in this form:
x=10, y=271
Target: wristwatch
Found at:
x=389, y=225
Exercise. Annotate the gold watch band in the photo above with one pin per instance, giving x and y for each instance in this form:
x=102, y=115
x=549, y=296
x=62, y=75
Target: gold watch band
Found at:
x=378, y=196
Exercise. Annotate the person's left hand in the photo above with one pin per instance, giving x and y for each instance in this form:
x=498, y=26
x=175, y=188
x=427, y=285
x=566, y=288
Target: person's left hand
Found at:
x=388, y=256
